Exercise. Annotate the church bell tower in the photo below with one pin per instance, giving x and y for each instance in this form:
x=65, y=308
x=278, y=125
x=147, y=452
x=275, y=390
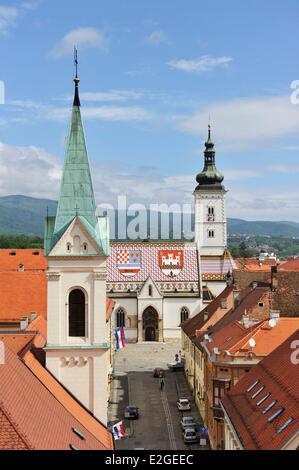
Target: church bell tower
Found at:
x=76, y=247
x=210, y=206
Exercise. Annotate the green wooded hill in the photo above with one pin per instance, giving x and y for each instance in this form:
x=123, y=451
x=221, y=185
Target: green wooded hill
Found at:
x=22, y=215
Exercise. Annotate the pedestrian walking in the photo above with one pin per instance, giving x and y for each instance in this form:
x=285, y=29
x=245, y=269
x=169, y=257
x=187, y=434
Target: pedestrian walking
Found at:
x=162, y=385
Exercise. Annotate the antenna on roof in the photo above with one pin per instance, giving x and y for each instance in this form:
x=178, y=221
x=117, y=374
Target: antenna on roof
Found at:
x=252, y=343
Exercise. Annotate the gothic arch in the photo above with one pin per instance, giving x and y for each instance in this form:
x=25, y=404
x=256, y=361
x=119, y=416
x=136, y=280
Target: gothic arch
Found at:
x=150, y=324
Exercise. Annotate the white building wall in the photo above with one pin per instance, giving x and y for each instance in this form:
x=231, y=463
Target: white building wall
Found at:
x=216, y=287
x=130, y=307
x=203, y=200
x=80, y=364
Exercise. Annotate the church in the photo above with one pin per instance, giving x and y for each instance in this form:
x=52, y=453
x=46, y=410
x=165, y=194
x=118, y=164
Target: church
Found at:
x=83, y=285
x=158, y=285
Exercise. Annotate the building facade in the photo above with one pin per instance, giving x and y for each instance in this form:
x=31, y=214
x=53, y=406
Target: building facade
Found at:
x=158, y=285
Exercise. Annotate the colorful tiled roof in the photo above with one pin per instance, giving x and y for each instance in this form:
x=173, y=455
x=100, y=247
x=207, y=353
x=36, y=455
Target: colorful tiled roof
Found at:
x=277, y=375
x=214, y=266
x=40, y=418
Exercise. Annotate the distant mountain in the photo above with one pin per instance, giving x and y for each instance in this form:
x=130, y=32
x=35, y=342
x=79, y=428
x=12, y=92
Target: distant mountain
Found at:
x=21, y=215
x=263, y=228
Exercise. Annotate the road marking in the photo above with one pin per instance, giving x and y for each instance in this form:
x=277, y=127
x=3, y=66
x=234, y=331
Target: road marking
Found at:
x=169, y=422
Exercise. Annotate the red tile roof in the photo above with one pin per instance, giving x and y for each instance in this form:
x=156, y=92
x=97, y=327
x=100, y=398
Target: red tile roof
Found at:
x=27, y=258
x=234, y=337
x=17, y=341
x=67, y=401
x=40, y=418
x=10, y=438
x=22, y=293
x=254, y=264
x=278, y=374
x=292, y=264
x=38, y=326
x=198, y=321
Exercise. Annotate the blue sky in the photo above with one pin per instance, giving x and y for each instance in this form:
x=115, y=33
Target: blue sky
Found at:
x=151, y=74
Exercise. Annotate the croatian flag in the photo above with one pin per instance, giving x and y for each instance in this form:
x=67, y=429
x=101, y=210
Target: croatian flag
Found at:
x=118, y=431
x=120, y=338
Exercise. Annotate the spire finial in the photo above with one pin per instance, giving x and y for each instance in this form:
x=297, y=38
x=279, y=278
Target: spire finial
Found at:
x=76, y=79
x=76, y=60
x=209, y=128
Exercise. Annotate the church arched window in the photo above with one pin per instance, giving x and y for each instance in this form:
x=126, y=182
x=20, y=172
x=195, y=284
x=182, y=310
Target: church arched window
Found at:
x=184, y=314
x=77, y=323
x=150, y=291
x=120, y=318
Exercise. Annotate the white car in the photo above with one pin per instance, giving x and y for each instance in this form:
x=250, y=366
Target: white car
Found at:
x=184, y=404
x=190, y=436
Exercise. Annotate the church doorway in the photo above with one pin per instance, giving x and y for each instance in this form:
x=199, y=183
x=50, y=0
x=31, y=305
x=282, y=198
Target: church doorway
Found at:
x=150, y=324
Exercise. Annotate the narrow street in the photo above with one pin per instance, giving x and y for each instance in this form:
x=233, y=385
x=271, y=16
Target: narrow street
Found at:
x=158, y=427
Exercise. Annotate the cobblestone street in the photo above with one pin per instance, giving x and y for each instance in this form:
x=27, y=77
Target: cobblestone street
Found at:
x=158, y=427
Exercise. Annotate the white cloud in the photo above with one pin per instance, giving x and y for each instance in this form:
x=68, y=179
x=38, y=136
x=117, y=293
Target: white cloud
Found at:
x=40, y=176
x=156, y=38
x=284, y=168
x=8, y=16
x=263, y=204
x=202, y=64
x=84, y=38
x=28, y=170
x=244, y=122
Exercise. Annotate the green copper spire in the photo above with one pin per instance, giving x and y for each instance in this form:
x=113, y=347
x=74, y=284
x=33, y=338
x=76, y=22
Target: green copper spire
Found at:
x=76, y=193
x=76, y=200
x=210, y=177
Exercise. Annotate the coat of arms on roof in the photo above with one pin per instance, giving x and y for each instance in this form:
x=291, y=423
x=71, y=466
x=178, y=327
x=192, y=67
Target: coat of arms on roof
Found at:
x=129, y=262
x=171, y=262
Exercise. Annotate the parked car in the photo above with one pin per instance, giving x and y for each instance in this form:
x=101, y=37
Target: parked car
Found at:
x=176, y=366
x=188, y=422
x=190, y=436
x=183, y=404
x=131, y=412
x=158, y=373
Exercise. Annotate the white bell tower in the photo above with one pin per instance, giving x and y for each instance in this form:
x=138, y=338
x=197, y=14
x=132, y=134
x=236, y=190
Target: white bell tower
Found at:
x=76, y=247
x=210, y=206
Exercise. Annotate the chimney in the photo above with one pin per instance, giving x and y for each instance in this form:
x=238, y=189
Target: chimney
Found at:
x=245, y=319
x=274, y=282
x=275, y=314
x=24, y=322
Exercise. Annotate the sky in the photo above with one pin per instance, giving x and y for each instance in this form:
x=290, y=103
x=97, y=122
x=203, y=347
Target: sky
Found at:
x=153, y=74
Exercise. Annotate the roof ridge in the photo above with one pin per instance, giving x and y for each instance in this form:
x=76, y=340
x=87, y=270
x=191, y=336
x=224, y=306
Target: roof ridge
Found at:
x=70, y=394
